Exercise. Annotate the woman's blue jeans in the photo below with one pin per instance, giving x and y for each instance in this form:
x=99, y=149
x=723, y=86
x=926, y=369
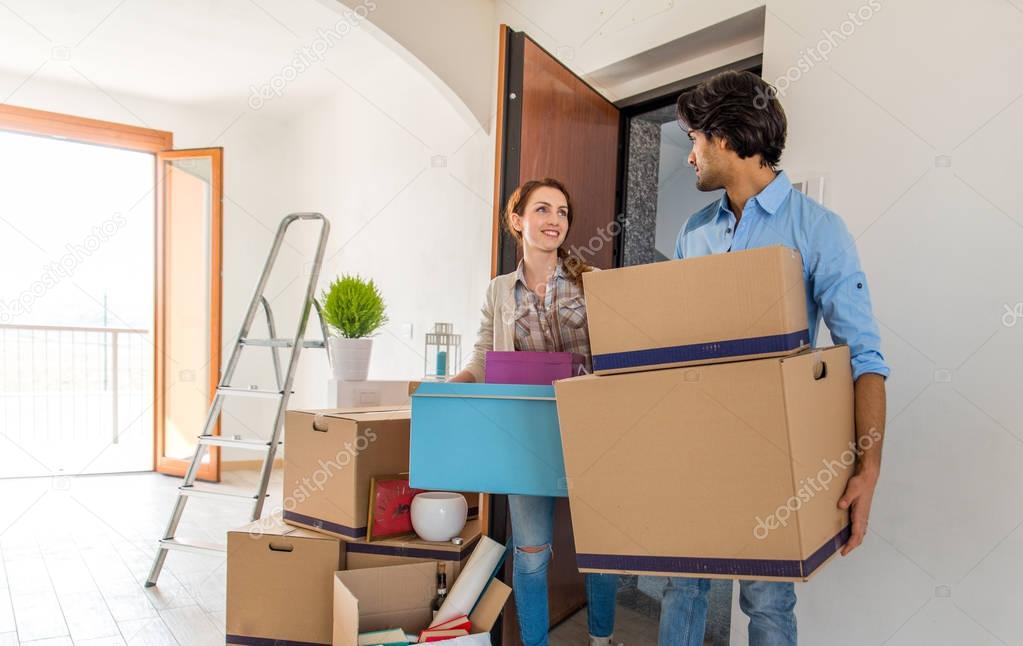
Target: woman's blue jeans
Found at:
x=532, y=520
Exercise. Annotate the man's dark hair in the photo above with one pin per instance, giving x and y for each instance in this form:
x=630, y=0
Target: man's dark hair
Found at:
x=741, y=108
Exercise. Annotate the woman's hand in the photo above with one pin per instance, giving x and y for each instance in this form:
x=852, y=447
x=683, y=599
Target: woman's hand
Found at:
x=464, y=377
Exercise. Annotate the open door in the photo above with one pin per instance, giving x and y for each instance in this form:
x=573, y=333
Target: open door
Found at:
x=551, y=123
x=189, y=249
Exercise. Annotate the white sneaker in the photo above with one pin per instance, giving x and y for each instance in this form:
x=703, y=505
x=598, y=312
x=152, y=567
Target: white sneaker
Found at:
x=603, y=641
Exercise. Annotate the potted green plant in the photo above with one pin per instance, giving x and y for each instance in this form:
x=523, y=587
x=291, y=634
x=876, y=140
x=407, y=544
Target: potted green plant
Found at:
x=354, y=310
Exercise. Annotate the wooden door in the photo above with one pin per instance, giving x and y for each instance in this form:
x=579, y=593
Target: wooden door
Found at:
x=550, y=123
x=188, y=299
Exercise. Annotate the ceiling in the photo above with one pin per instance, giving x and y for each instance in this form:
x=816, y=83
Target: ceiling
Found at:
x=193, y=52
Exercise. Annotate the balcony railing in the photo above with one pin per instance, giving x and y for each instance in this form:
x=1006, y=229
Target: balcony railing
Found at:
x=73, y=386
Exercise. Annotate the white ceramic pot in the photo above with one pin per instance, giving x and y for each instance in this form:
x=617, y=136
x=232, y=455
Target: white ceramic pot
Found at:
x=439, y=515
x=350, y=357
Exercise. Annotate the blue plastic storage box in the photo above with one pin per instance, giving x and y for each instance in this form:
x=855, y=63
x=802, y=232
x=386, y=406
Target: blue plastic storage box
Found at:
x=493, y=438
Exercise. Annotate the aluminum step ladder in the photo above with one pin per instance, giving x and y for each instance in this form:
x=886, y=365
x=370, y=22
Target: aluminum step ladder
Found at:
x=170, y=541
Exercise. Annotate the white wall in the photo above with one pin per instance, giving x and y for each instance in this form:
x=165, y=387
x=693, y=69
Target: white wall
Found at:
x=914, y=121
x=407, y=185
x=459, y=59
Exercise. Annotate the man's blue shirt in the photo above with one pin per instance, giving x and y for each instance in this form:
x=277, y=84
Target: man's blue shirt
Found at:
x=836, y=287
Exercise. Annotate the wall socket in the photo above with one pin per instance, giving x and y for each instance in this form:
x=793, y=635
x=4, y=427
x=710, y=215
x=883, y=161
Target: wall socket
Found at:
x=406, y=331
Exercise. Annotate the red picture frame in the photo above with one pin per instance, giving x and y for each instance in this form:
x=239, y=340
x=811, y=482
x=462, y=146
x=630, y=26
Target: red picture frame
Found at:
x=390, y=507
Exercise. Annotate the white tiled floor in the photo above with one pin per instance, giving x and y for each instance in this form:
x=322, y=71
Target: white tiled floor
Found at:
x=74, y=552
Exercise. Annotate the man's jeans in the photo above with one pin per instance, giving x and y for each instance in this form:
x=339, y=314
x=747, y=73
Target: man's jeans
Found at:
x=532, y=520
x=769, y=605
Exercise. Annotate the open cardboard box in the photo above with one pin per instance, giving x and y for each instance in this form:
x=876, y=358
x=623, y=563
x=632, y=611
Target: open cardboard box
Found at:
x=400, y=596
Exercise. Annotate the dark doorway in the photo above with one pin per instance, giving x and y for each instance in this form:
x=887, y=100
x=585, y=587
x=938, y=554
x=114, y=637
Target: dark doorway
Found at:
x=658, y=186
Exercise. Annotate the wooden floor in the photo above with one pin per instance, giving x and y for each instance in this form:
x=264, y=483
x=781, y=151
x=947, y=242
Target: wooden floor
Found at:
x=74, y=552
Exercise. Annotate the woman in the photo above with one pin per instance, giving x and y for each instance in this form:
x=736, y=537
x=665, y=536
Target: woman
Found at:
x=540, y=308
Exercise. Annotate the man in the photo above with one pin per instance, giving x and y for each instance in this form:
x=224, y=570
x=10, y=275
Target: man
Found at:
x=738, y=130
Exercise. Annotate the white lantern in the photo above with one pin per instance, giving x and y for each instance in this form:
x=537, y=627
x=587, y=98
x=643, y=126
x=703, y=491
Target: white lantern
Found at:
x=443, y=352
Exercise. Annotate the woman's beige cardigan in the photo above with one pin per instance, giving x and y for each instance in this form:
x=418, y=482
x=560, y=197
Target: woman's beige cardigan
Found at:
x=497, y=325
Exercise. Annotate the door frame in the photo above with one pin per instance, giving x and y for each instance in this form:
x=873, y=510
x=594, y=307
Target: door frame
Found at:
x=41, y=123
x=160, y=144
x=56, y=125
x=176, y=466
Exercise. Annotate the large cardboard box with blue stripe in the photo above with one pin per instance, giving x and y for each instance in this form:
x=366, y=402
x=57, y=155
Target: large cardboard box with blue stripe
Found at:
x=711, y=309
x=729, y=470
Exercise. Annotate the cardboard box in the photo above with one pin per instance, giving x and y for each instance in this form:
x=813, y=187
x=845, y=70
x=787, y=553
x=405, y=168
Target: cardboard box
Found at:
x=329, y=458
x=359, y=394
x=400, y=596
x=729, y=470
x=412, y=549
x=279, y=583
x=493, y=438
x=725, y=307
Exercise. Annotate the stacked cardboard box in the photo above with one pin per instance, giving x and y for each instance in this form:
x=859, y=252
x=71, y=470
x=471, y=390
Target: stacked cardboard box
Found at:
x=281, y=569
x=329, y=458
x=403, y=550
x=713, y=442
x=343, y=393
x=280, y=582
x=728, y=307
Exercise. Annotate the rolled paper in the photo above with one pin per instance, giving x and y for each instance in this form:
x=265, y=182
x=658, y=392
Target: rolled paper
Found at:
x=472, y=581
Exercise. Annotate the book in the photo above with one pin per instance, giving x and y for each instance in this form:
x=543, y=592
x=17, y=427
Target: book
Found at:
x=437, y=634
x=389, y=637
x=457, y=622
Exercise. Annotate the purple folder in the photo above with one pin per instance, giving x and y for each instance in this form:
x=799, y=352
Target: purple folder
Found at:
x=537, y=368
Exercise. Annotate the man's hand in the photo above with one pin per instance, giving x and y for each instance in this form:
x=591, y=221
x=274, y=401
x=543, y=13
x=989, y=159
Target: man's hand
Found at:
x=859, y=493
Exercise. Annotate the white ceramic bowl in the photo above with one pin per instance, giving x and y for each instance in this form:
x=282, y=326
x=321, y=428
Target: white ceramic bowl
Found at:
x=439, y=515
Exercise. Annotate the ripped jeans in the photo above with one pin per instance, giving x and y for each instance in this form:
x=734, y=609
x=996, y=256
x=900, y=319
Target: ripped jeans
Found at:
x=532, y=520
